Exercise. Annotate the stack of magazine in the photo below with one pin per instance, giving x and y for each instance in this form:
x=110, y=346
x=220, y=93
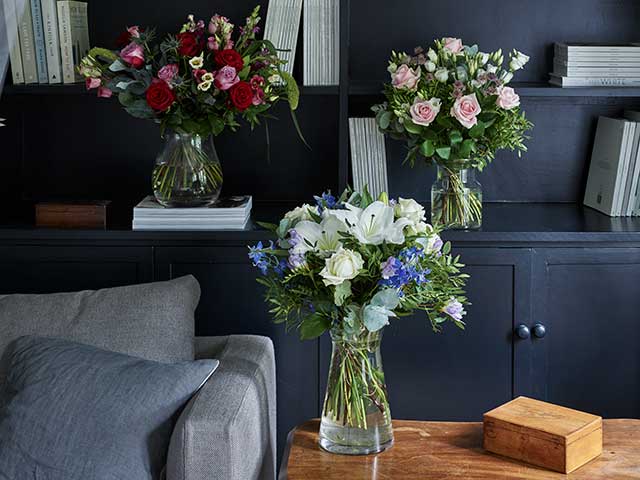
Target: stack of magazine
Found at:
x=614, y=174
x=47, y=40
x=231, y=213
x=368, y=156
x=591, y=65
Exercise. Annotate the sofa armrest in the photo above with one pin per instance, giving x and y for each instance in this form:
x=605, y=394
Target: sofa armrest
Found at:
x=228, y=430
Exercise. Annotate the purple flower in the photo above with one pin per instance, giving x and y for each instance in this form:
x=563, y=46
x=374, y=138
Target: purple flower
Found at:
x=296, y=260
x=454, y=309
x=390, y=267
x=294, y=238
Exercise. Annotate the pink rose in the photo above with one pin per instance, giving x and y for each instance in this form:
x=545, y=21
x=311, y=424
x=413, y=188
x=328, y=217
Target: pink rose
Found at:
x=466, y=110
x=93, y=83
x=258, y=96
x=198, y=73
x=168, y=72
x=104, y=92
x=226, y=78
x=134, y=31
x=454, y=45
x=405, y=78
x=424, y=112
x=133, y=54
x=508, y=98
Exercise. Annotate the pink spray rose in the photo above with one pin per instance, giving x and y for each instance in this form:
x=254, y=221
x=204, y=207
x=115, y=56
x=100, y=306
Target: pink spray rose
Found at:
x=93, y=83
x=104, y=92
x=454, y=45
x=226, y=78
x=424, y=112
x=258, y=96
x=134, y=31
x=168, y=72
x=466, y=110
x=405, y=78
x=133, y=54
x=508, y=98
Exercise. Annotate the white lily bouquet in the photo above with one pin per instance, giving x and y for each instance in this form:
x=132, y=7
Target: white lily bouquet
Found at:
x=348, y=266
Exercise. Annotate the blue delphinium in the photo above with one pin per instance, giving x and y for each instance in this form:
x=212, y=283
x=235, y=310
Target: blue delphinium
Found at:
x=263, y=260
x=399, y=272
x=326, y=200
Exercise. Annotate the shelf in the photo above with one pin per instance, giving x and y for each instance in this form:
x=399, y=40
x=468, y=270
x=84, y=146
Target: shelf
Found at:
x=505, y=224
x=523, y=89
x=80, y=89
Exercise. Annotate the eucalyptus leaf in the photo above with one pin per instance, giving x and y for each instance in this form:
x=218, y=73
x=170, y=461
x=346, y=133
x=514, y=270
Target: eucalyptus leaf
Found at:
x=387, y=298
x=376, y=317
x=385, y=120
x=342, y=293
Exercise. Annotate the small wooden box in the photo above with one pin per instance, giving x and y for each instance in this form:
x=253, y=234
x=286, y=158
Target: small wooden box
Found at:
x=90, y=215
x=543, y=434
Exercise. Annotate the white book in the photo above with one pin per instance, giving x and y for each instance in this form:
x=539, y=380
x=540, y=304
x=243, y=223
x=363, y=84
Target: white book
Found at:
x=52, y=40
x=74, y=37
x=27, y=41
x=607, y=162
x=577, y=49
x=605, y=71
x=138, y=225
x=368, y=156
x=599, y=62
x=13, y=39
x=628, y=155
x=239, y=206
x=594, y=81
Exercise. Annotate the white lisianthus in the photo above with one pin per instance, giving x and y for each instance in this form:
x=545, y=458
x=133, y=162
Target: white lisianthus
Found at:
x=492, y=68
x=275, y=78
x=433, y=56
x=300, y=213
x=417, y=229
x=518, y=60
x=197, y=62
x=204, y=86
x=410, y=209
x=343, y=265
x=442, y=74
x=483, y=58
x=376, y=225
x=507, y=77
x=430, y=66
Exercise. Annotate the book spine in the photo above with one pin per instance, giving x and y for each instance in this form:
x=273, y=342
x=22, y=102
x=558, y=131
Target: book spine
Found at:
x=616, y=72
x=569, y=50
x=27, y=50
x=51, y=40
x=38, y=36
x=596, y=82
x=66, y=44
x=79, y=34
x=15, y=55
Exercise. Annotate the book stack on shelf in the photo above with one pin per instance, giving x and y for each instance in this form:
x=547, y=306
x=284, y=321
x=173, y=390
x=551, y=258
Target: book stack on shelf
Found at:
x=231, y=213
x=614, y=175
x=368, y=156
x=47, y=39
x=281, y=29
x=591, y=65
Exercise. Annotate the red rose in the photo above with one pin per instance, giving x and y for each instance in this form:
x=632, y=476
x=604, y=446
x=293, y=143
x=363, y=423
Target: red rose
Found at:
x=160, y=97
x=241, y=95
x=229, y=57
x=123, y=40
x=189, y=44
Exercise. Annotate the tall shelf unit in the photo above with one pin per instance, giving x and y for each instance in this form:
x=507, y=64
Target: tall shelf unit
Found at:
x=540, y=256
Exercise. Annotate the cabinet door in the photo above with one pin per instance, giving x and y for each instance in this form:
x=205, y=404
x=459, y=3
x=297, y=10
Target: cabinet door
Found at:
x=232, y=302
x=589, y=302
x=458, y=375
x=49, y=269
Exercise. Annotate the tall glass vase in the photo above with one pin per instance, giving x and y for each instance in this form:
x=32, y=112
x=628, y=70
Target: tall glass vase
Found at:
x=356, y=419
x=456, y=199
x=187, y=172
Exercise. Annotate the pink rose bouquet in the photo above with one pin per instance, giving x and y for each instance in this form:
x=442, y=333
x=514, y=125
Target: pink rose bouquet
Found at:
x=453, y=107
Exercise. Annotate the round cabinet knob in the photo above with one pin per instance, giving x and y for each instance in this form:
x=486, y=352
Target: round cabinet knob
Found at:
x=539, y=330
x=522, y=331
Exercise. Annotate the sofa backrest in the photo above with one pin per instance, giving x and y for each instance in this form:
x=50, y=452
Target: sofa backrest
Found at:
x=154, y=321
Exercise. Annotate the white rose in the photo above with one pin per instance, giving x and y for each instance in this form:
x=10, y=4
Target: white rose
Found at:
x=433, y=56
x=518, y=60
x=417, y=229
x=342, y=265
x=410, y=209
x=442, y=74
x=430, y=66
x=299, y=214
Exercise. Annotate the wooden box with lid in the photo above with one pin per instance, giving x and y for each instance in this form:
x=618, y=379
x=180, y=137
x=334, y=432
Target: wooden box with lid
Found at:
x=543, y=434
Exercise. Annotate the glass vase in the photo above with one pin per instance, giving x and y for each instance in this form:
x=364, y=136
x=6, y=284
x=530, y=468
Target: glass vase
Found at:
x=456, y=199
x=187, y=172
x=356, y=419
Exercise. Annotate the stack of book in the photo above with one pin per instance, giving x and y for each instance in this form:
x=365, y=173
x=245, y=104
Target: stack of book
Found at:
x=590, y=65
x=281, y=29
x=614, y=174
x=47, y=40
x=226, y=214
x=321, y=42
x=368, y=156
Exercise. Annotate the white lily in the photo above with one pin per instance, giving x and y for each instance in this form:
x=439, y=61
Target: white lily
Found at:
x=376, y=225
x=322, y=237
x=349, y=216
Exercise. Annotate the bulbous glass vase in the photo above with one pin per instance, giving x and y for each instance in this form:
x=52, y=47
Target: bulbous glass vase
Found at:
x=187, y=172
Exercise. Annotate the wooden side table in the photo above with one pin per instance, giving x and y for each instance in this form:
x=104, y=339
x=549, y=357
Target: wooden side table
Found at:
x=445, y=450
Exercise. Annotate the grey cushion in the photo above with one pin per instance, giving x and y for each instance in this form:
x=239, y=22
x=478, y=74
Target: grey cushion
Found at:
x=228, y=430
x=75, y=412
x=153, y=321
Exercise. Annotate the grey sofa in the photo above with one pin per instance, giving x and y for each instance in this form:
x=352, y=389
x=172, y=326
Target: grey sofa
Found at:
x=228, y=429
